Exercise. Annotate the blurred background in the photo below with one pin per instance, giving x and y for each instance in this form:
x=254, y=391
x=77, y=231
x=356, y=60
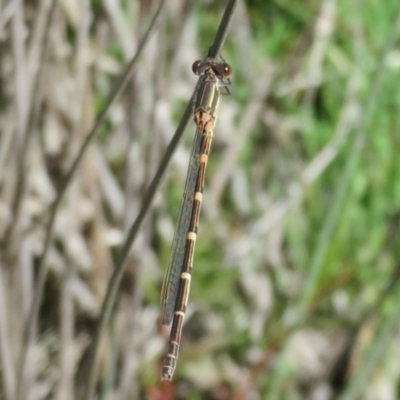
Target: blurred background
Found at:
x=295, y=289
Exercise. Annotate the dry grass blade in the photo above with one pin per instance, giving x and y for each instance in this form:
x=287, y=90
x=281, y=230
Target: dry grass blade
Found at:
x=7, y=363
x=34, y=97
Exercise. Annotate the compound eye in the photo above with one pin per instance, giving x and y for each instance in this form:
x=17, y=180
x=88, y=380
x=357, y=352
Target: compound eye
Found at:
x=197, y=67
x=226, y=70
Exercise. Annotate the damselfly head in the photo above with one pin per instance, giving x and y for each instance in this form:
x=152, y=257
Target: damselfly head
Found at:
x=221, y=69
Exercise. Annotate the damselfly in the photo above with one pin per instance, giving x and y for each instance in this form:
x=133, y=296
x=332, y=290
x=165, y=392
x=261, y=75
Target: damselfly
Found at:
x=176, y=285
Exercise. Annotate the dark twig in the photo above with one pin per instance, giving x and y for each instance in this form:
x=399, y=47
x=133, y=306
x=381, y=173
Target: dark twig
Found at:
x=222, y=30
x=31, y=323
x=115, y=280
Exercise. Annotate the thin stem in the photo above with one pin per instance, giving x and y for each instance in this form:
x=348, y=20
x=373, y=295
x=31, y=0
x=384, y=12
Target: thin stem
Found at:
x=115, y=280
x=41, y=266
x=222, y=31
x=33, y=118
